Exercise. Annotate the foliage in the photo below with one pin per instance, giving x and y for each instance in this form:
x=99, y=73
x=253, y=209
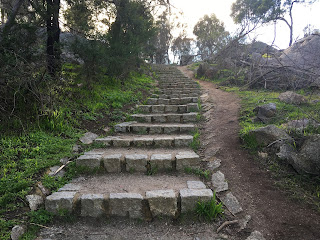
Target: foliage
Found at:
x=211, y=36
x=209, y=210
x=161, y=41
x=195, y=145
x=182, y=46
x=265, y=11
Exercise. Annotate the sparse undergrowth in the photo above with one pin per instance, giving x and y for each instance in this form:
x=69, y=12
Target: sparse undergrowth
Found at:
x=300, y=187
x=26, y=155
x=209, y=210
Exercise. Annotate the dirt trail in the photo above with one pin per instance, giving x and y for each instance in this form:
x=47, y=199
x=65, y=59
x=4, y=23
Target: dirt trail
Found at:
x=273, y=213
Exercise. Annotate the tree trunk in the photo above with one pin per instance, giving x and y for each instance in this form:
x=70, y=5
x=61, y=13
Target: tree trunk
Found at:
x=6, y=27
x=53, y=37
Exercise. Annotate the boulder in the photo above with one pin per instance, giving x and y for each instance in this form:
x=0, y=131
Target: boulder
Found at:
x=206, y=70
x=17, y=231
x=307, y=159
x=266, y=112
x=292, y=98
x=88, y=138
x=300, y=124
x=35, y=201
x=269, y=134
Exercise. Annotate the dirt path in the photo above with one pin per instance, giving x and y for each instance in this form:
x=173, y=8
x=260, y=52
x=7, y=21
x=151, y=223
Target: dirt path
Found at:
x=273, y=213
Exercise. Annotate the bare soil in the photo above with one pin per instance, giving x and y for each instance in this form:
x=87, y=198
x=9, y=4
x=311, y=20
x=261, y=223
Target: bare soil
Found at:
x=273, y=212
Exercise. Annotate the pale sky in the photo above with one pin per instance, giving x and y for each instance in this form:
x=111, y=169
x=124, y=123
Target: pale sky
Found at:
x=303, y=15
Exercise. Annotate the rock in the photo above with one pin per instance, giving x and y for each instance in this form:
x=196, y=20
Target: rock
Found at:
x=17, y=231
x=266, y=135
x=76, y=149
x=88, y=138
x=42, y=190
x=212, y=165
x=112, y=163
x=70, y=187
x=124, y=204
x=35, y=201
x=93, y=205
x=244, y=222
x=262, y=154
x=60, y=200
x=64, y=161
x=292, y=98
x=187, y=160
x=161, y=162
x=162, y=202
x=53, y=170
x=266, y=112
x=89, y=160
x=218, y=182
x=308, y=158
x=136, y=162
x=196, y=185
x=190, y=197
x=300, y=124
x=231, y=202
x=255, y=236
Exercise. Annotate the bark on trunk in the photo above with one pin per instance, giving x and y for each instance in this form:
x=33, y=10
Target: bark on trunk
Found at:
x=53, y=37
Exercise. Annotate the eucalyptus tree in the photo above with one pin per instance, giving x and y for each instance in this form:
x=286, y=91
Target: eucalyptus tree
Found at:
x=265, y=11
x=211, y=36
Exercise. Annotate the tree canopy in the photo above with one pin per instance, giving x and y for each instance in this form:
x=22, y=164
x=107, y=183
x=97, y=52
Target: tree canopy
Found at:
x=211, y=35
x=265, y=11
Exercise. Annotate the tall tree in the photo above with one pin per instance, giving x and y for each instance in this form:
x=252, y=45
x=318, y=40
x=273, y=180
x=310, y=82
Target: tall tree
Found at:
x=265, y=11
x=182, y=46
x=163, y=38
x=211, y=35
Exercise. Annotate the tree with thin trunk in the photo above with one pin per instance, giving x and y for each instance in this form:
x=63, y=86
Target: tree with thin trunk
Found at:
x=266, y=11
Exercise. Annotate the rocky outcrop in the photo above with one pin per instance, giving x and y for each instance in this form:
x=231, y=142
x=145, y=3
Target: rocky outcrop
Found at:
x=269, y=134
x=206, y=70
x=292, y=98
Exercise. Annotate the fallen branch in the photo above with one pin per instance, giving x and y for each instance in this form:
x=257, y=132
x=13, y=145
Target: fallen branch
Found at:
x=227, y=223
x=62, y=167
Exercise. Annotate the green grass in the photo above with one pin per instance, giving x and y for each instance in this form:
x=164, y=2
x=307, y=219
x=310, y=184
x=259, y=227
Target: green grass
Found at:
x=199, y=172
x=300, y=187
x=209, y=210
x=26, y=155
x=195, y=144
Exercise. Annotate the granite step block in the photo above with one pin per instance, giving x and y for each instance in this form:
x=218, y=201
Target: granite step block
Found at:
x=166, y=117
x=147, y=141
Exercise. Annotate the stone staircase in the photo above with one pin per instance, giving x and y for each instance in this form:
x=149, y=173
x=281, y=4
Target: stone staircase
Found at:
x=144, y=162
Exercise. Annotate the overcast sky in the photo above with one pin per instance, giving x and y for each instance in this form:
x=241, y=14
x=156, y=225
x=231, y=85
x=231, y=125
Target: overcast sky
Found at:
x=303, y=15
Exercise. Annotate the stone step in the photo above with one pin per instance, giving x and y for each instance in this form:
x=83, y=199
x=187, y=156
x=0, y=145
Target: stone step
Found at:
x=159, y=128
x=178, y=85
x=128, y=196
x=166, y=117
x=190, y=107
x=116, y=160
x=150, y=141
x=193, y=95
x=174, y=91
x=172, y=101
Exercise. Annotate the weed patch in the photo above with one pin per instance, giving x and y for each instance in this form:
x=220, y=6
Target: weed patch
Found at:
x=209, y=210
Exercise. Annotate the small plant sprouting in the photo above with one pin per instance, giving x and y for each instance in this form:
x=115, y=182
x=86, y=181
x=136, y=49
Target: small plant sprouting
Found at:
x=209, y=210
x=202, y=173
x=195, y=144
x=153, y=170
